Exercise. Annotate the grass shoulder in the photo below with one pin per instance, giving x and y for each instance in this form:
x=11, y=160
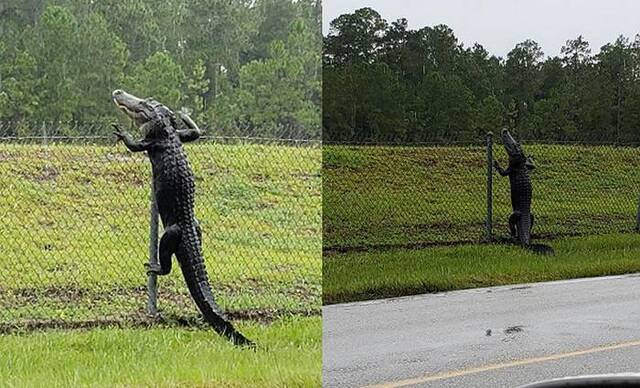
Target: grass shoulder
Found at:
x=289, y=354
x=380, y=274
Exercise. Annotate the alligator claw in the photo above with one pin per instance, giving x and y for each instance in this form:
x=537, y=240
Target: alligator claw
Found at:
x=153, y=269
x=530, y=163
x=118, y=131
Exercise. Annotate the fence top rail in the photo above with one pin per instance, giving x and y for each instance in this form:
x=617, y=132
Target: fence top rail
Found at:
x=104, y=128
x=581, y=142
x=104, y=138
x=482, y=142
x=404, y=143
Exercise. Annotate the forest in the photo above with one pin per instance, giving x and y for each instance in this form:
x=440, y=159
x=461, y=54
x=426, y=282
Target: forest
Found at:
x=383, y=81
x=238, y=67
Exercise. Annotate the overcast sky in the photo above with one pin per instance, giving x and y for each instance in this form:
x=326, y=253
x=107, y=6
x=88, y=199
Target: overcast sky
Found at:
x=499, y=24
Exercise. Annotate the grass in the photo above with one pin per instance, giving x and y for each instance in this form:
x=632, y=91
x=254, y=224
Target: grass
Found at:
x=382, y=205
x=290, y=354
x=76, y=220
x=370, y=275
x=399, y=196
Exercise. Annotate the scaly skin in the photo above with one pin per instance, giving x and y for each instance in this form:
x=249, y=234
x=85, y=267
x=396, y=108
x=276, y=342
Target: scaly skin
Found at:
x=521, y=220
x=174, y=191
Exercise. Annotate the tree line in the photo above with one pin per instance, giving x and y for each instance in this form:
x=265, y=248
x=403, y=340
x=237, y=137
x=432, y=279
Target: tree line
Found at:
x=245, y=66
x=385, y=82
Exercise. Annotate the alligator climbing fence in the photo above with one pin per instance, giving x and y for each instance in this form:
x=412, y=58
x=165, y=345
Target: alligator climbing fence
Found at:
x=388, y=195
x=77, y=230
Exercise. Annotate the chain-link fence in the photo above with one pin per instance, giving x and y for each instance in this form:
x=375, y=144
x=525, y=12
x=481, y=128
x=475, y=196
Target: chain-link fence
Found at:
x=76, y=229
x=381, y=195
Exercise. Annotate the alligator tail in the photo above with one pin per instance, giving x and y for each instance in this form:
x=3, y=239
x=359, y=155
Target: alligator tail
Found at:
x=195, y=275
x=540, y=249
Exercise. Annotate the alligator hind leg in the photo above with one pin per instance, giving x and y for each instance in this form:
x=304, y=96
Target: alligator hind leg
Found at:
x=168, y=246
x=513, y=222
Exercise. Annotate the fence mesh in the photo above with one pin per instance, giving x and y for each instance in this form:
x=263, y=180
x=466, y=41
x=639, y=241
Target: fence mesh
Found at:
x=76, y=224
x=579, y=189
x=393, y=195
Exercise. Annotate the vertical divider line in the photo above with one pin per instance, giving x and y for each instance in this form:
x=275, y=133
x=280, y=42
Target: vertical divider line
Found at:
x=638, y=216
x=489, y=220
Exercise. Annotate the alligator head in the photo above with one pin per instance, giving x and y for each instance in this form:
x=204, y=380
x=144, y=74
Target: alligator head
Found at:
x=142, y=111
x=515, y=152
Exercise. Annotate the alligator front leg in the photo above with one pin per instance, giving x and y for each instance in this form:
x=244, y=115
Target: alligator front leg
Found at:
x=501, y=171
x=530, y=163
x=132, y=145
x=168, y=246
x=190, y=134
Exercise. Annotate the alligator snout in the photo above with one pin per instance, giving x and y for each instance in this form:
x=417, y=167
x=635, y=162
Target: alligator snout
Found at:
x=134, y=107
x=125, y=100
x=510, y=144
x=506, y=135
x=119, y=97
x=140, y=110
x=115, y=95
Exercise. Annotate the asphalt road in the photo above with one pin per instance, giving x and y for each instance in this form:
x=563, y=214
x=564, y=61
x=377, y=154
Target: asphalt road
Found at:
x=489, y=337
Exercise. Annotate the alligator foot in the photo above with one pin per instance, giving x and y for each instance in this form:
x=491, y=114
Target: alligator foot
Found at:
x=155, y=269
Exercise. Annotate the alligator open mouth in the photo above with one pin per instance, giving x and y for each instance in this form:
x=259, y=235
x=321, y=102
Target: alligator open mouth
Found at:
x=123, y=107
x=136, y=108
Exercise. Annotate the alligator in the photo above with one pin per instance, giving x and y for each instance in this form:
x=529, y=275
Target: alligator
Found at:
x=174, y=192
x=521, y=220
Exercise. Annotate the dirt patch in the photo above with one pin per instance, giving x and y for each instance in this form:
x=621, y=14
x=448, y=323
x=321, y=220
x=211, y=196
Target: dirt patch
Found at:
x=44, y=174
x=123, y=157
x=332, y=250
x=4, y=156
x=144, y=321
x=176, y=308
x=305, y=175
x=70, y=294
x=259, y=178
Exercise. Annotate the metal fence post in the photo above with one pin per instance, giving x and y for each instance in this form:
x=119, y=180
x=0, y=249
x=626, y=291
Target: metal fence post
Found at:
x=152, y=281
x=489, y=220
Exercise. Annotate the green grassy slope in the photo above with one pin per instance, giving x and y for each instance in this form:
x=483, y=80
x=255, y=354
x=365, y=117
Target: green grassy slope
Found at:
x=369, y=275
x=290, y=354
x=382, y=195
x=76, y=219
